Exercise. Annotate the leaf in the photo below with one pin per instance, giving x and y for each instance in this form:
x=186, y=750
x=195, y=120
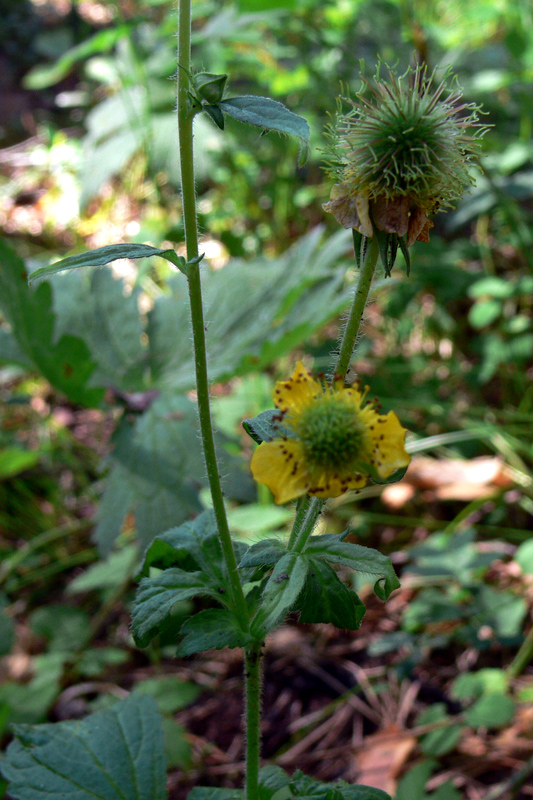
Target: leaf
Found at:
x=109, y=574
x=93, y=305
x=266, y=113
x=171, y=694
x=156, y=466
x=414, y=781
x=99, y=258
x=14, y=460
x=214, y=627
x=66, y=364
x=287, y=300
x=443, y=740
x=116, y=754
x=325, y=598
x=157, y=596
x=212, y=793
x=491, y=711
x=305, y=787
x=280, y=593
x=332, y=548
x=102, y=42
x=271, y=780
x=267, y=426
x=264, y=553
x=10, y=352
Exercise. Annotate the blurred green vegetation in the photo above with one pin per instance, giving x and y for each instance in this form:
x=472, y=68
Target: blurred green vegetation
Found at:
x=96, y=368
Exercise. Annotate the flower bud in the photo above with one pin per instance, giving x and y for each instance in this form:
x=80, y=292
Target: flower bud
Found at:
x=210, y=87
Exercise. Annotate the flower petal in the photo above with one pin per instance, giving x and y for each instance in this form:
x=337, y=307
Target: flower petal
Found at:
x=385, y=442
x=333, y=485
x=279, y=465
x=296, y=393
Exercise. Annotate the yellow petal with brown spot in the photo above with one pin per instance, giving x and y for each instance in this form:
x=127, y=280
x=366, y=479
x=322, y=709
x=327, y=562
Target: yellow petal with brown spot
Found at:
x=279, y=466
x=296, y=393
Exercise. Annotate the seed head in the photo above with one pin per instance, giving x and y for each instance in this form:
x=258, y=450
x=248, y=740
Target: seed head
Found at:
x=401, y=152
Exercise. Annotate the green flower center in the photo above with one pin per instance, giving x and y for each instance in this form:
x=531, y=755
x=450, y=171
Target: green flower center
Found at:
x=330, y=433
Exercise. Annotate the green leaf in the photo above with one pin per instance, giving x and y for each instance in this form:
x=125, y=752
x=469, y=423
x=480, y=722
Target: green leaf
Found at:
x=268, y=114
x=325, y=598
x=157, y=596
x=271, y=780
x=414, y=781
x=280, y=593
x=64, y=627
x=264, y=553
x=524, y=557
x=116, y=754
x=99, y=258
x=332, y=548
x=156, y=465
x=267, y=426
x=214, y=627
x=484, y=312
x=287, y=300
x=439, y=742
x=212, y=793
x=10, y=351
x=108, y=574
x=471, y=685
x=305, y=787
x=65, y=363
x=102, y=42
x=14, y=460
x=96, y=660
x=491, y=711
x=171, y=694
x=93, y=306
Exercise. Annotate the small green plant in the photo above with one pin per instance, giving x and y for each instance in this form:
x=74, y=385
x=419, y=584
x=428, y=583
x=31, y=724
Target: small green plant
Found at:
x=397, y=156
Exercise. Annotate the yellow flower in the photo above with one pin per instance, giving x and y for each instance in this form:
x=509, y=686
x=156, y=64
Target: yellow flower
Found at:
x=337, y=441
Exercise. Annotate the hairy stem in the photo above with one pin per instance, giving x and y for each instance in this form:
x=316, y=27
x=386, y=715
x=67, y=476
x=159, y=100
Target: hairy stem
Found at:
x=185, y=127
x=351, y=329
x=253, y=671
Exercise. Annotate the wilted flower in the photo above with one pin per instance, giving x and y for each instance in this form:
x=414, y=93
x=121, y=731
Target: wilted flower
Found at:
x=401, y=153
x=337, y=441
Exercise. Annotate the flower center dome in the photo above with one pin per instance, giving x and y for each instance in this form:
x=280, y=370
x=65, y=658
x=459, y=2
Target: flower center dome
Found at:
x=330, y=433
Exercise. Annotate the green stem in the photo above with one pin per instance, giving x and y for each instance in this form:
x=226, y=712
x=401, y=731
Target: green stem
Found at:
x=351, y=330
x=185, y=127
x=253, y=672
x=523, y=657
x=306, y=521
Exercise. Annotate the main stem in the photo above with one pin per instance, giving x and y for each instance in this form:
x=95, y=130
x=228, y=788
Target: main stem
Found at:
x=253, y=673
x=306, y=519
x=185, y=127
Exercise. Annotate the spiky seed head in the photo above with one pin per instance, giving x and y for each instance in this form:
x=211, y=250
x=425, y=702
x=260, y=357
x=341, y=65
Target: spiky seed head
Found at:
x=402, y=151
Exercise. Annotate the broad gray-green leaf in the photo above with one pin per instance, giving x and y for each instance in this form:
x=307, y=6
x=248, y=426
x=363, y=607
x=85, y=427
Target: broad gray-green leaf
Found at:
x=491, y=711
x=66, y=363
x=94, y=306
x=215, y=793
x=325, y=598
x=157, y=596
x=99, y=258
x=214, y=627
x=264, y=553
x=268, y=425
x=116, y=754
x=266, y=113
x=10, y=351
x=332, y=548
x=280, y=593
x=287, y=300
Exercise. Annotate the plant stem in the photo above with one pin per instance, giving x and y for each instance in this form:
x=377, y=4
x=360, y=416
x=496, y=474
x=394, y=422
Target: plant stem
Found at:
x=522, y=658
x=185, y=127
x=351, y=330
x=304, y=523
x=253, y=672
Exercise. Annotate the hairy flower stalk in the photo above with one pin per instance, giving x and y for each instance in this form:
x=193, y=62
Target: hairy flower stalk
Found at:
x=401, y=153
